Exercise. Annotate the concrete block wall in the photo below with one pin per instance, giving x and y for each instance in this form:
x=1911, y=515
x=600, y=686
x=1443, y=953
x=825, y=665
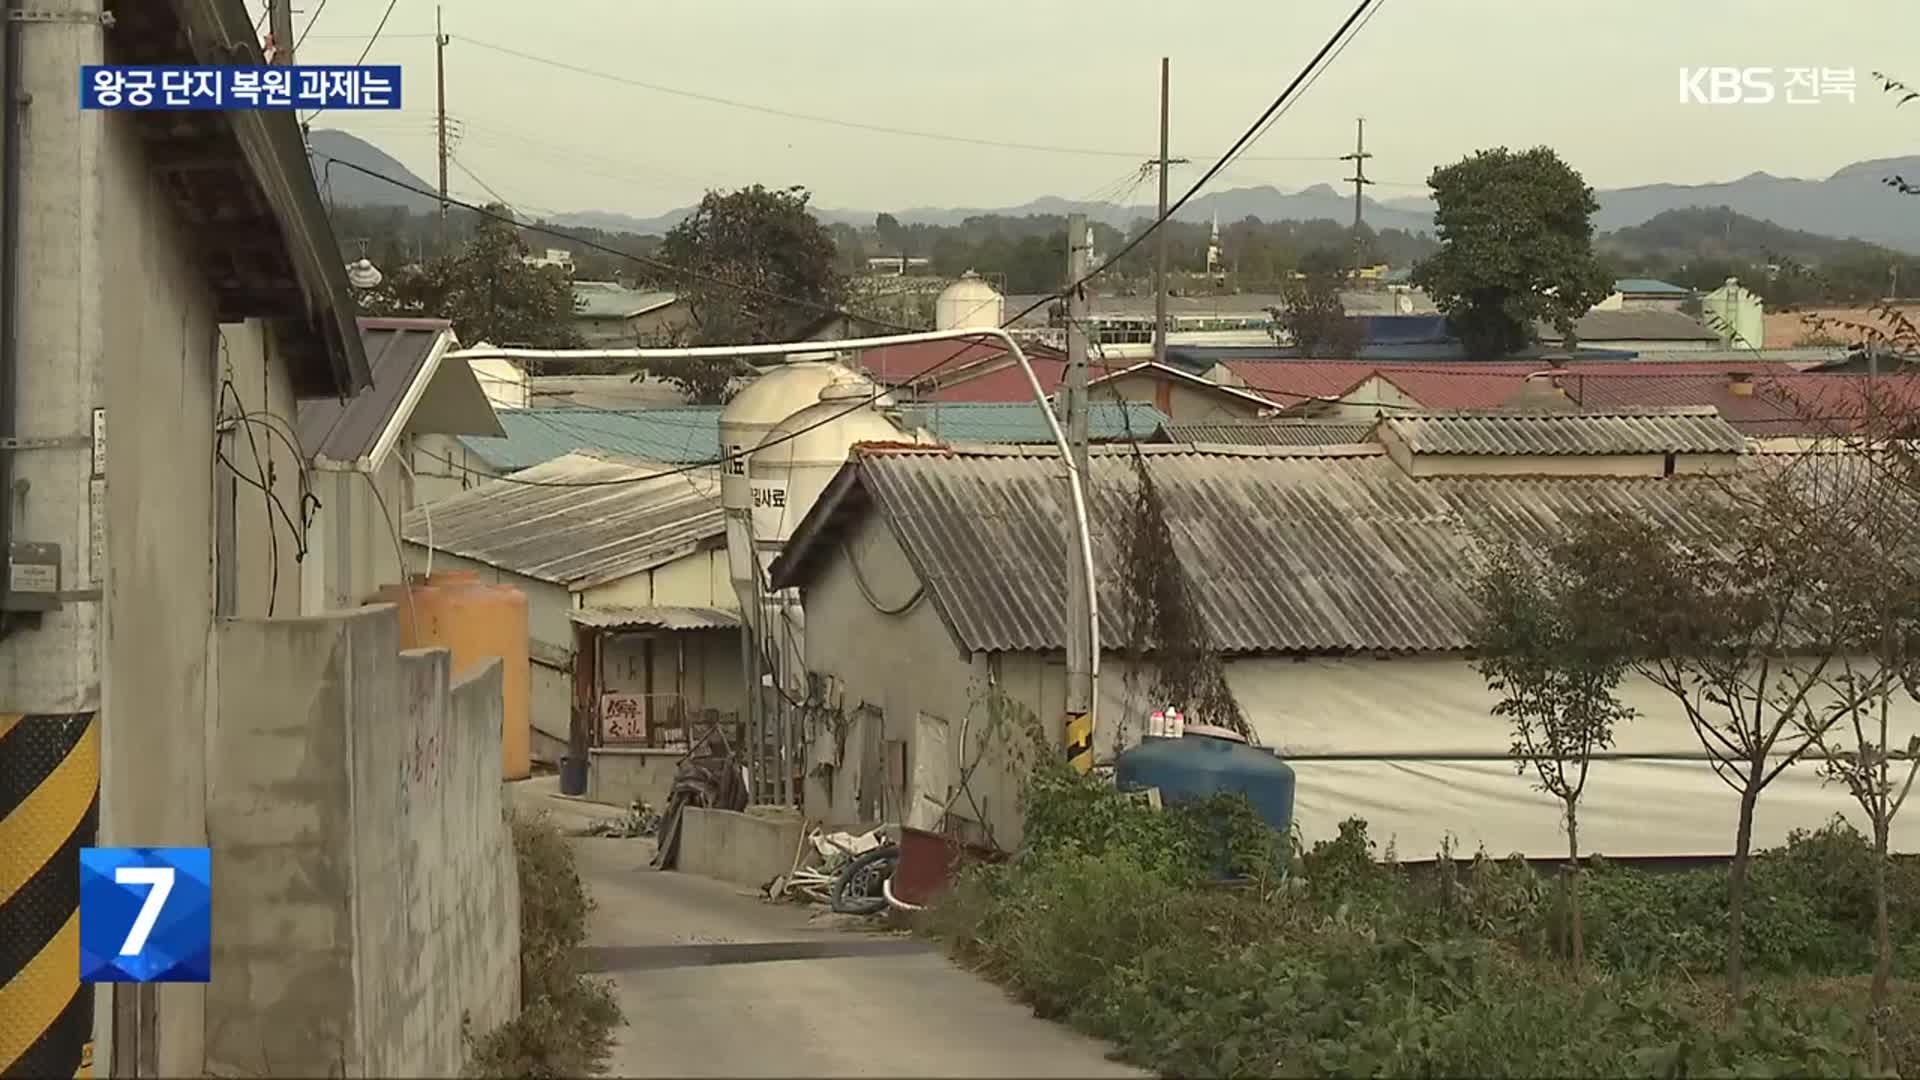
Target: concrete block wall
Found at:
x=365, y=895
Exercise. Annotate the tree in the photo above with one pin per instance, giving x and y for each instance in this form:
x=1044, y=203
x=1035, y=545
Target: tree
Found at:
x=1546, y=648
x=1312, y=313
x=1747, y=628
x=1516, y=247
x=758, y=267
x=487, y=290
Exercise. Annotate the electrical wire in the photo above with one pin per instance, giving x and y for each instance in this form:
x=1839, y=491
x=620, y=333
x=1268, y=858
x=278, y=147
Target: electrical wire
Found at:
x=302, y=39
x=1252, y=133
x=384, y=16
x=812, y=118
x=399, y=551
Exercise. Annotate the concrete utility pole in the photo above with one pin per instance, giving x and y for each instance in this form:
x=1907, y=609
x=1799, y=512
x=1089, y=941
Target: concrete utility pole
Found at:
x=1073, y=396
x=280, y=20
x=440, y=78
x=1359, y=181
x=1160, y=236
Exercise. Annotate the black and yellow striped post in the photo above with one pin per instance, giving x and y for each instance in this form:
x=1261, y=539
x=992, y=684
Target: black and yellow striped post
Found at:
x=1080, y=742
x=49, y=810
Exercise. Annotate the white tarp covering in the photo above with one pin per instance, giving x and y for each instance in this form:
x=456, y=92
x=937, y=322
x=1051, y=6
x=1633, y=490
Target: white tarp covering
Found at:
x=1427, y=708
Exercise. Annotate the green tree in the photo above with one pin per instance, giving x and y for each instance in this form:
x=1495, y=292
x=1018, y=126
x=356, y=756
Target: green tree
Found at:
x=761, y=266
x=1516, y=247
x=1554, y=660
x=1315, y=318
x=487, y=290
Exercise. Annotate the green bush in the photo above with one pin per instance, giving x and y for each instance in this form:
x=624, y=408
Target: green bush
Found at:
x=566, y=1020
x=1355, y=968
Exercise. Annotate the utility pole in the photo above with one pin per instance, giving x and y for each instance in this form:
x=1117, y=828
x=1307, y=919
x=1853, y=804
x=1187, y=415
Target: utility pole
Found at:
x=440, y=77
x=1359, y=181
x=1160, y=236
x=1073, y=395
x=280, y=24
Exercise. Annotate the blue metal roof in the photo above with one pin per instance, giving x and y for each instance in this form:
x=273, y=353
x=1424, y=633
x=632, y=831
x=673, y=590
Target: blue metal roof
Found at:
x=1406, y=329
x=668, y=436
x=1024, y=424
x=1644, y=286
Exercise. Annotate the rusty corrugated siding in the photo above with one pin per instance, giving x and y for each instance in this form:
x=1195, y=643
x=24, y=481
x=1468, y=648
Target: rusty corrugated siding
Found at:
x=1699, y=430
x=630, y=519
x=1288, y=554
x=656, y=617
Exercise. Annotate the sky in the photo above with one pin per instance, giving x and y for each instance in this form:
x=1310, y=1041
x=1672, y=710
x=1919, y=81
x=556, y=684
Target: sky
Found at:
x=1434, y=79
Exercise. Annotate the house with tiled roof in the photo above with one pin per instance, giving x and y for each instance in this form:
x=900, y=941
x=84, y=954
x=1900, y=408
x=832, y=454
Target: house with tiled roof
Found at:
x=1645, y=294
x=1336, y=582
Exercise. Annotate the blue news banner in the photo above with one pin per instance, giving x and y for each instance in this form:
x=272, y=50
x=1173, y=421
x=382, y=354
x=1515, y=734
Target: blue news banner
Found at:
x=146, y=914
x=228, y=87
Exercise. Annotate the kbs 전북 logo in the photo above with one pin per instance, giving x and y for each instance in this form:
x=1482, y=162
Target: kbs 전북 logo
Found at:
x=146, y=914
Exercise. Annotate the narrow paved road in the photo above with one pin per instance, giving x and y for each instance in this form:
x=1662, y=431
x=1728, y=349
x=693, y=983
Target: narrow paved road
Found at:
x=715, y=982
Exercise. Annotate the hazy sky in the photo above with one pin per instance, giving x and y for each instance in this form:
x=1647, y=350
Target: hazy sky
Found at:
x=1435, y=79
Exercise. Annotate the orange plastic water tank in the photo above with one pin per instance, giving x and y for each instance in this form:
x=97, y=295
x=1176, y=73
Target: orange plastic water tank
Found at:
x=456, y=611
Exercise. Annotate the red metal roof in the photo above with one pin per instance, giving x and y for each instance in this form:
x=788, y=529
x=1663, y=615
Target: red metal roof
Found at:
x=894, y=365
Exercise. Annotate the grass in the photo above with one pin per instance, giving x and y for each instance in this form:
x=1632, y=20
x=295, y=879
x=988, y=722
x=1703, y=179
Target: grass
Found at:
x=566, y=1020
x=1345, y=966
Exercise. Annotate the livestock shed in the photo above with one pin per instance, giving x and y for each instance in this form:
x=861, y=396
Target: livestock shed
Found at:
x=589, y=531
x=1335, y=581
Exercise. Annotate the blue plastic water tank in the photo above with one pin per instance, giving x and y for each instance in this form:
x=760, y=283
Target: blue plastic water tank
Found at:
x=1206, y=761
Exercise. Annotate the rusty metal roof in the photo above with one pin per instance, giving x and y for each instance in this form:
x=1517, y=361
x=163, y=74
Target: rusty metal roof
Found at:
x=654, y=618
x=1686, y=430
x=580, y=520
x=1317, y=551
x=1277, y=432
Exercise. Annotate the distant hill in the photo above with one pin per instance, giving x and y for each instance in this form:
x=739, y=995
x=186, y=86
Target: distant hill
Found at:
x=349, y=188
x=1853, y=203
x=1721, y=233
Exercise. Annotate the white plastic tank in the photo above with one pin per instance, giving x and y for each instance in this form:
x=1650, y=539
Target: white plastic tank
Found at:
x=969, y=304
x=800, y=455
x=772, y=397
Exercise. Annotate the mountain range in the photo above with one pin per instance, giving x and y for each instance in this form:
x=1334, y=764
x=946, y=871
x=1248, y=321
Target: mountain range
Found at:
x=1856, y=202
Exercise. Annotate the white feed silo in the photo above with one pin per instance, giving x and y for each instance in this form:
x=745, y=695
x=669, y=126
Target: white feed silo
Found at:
x=800, y=455
x=969, y=304
x=772, y=397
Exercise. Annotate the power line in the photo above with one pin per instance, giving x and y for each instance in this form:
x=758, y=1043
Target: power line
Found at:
x=314, y=18
x=384, y=16
x=1260, y=126
x=813, y=118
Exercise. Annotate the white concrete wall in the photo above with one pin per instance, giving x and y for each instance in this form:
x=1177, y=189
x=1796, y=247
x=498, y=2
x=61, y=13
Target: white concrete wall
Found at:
x=357, y=546
x=901, y=678
x=696, y=580
x=362, y=857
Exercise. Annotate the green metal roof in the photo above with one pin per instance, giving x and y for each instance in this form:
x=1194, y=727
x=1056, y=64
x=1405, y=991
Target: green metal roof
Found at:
x=606, y=300
x=1644, y=286
x=1022, y=423
x=682, y=435
x=670, y=436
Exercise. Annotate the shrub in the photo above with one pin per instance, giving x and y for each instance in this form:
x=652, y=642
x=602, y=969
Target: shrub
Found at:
x=566, y=1021
x=1356, y=968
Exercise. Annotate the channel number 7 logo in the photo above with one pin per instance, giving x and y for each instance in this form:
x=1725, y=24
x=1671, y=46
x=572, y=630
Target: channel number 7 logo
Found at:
x=146, y=914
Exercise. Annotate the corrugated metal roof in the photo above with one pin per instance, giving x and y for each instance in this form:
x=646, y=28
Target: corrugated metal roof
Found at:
x=1287, y=554
x=995, y=422
x=578, y=536
x=608, y=300
x=1278, y=432
x=674, y=435
x=1697, y=430
x=654, y=618
x=1652, y=325
x=397, y=352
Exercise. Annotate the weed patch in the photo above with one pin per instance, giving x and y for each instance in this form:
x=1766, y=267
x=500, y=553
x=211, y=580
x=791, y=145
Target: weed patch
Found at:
x=566, y=1021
